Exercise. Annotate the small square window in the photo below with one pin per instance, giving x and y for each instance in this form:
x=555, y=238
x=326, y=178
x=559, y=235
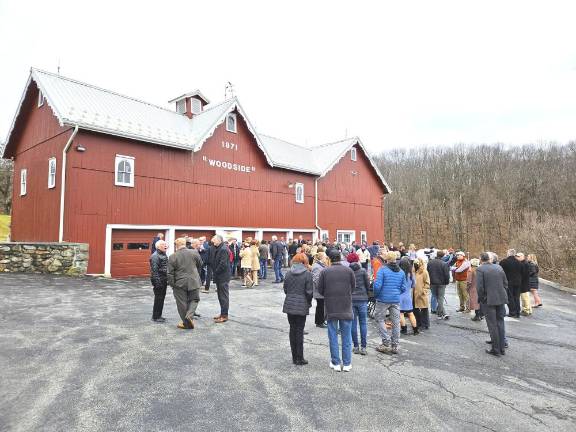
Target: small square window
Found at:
x=51, y=173
x=124, y=171
x=231, y=123
x=23, y=179
x=40, y=98
x=299, y=191
x=196, y=106
x=353, y=153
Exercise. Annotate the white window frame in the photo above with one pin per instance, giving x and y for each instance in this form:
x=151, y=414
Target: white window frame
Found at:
x=353, y=154
x=296, y=187
x=232, y=115
x=131, y=161
x=195, y=105
x=363, y=237
x=23, y=181
x=52, y=173
x=40, y=98
x=340, y=236
x=183, y=102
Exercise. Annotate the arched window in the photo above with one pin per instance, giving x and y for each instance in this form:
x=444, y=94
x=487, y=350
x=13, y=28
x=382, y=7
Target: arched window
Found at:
x=124, y=171
x=231, y=123
x=299, y=190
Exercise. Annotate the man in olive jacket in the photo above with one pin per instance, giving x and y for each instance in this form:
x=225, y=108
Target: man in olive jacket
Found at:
x=492, y=287
x=184, y=268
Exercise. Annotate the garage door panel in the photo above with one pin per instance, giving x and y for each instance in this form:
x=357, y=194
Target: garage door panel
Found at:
x=131, y=252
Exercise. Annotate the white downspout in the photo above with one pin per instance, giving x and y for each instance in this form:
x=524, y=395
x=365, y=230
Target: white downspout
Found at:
x=316, y=209
x=63, y=184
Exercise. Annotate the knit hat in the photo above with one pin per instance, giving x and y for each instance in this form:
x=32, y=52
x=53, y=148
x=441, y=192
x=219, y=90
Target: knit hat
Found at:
x=391, y=256
x=352, y=257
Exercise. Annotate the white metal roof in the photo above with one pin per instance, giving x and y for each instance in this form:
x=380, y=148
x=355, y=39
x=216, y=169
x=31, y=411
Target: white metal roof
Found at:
x=93, y=108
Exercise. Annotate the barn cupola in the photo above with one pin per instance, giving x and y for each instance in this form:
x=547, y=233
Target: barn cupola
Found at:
x=191, y=103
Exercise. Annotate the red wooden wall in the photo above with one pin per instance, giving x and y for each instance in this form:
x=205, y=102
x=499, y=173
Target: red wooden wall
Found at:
x=348, y=201
x=36, y=138
x=177, y=187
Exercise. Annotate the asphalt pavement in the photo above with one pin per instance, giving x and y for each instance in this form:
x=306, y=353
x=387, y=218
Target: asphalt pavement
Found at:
x=82, y=355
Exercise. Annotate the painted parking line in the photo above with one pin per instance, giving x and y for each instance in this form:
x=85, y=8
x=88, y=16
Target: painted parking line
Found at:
x=545, y=325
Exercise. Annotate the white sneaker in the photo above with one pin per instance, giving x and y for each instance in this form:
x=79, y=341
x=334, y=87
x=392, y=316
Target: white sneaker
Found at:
x=335, y=367
x=347, y=368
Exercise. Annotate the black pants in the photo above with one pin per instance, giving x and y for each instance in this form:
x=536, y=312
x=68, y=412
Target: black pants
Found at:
x=514, y=299
x=319, y=318
x=422, y=318
x=159, y=296
x=495, y=322
x=297, y=323
x=365, y=265
x=223, y=297
x=208, y=278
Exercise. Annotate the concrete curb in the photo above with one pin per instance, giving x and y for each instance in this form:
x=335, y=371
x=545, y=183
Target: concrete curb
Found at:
x=557, y=286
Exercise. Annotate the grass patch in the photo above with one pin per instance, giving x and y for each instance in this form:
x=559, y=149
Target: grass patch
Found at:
x=4, y=227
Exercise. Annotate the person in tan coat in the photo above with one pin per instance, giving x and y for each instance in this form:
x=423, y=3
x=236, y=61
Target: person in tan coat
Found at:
x=246, y=264
x=255, y=262
x=421, y=294
x=472, y=292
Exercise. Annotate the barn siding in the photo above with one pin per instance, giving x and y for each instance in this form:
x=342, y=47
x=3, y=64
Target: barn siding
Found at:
x=176, y=187
x=351, y=202
x=37, y=137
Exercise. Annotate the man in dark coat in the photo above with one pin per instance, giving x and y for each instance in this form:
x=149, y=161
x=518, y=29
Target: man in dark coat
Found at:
x=235, y=257
x=492, y=287
x=336, y=285
x=439, y=272
x=277, y=249
x=158, y=277
x=159, y=236
x=513, y=269
x=184, y=267
x=220, y=264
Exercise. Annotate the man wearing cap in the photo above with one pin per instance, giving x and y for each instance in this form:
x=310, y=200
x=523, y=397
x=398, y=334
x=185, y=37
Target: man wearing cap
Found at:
x=184, y=268
x=460, y=272
x=390, y=282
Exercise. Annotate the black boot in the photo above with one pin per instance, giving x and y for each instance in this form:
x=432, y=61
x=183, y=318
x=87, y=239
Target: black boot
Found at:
x=416, y=331
x=404, y=329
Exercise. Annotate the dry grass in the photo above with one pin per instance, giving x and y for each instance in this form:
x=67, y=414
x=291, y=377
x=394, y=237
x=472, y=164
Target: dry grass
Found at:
x=4, y=227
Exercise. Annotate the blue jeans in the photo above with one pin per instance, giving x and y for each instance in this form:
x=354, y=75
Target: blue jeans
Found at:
x=360, y=309
x=263, y=268
x=278, y=268
x=433, y=301
x=345, y=332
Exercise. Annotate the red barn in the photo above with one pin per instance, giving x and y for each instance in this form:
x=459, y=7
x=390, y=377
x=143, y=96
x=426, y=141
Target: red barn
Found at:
x=94, y=166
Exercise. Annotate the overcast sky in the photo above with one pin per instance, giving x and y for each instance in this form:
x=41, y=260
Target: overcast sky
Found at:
x=395, y=73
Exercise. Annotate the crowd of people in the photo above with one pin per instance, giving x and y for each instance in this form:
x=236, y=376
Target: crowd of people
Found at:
x=397, y=286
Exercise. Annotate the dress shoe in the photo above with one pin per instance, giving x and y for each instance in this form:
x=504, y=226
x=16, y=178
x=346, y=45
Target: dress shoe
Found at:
x=321, y=325
x=301, y=362
x=490, y=343
x=222, y=319
x=492, y=352
x=159, y=320
x=197, y=315
x=216, y=317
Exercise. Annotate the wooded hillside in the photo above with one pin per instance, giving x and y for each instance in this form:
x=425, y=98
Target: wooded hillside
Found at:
x=486, y=197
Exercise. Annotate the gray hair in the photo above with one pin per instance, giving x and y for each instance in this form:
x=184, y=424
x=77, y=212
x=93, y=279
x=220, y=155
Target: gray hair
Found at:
x=511, y=252
x=194, y=242
x=219, y=237
x=485, y=257
x=274, y=238
x=159, y=243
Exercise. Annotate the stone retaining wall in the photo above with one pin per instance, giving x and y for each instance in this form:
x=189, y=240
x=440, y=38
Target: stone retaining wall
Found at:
x=54, y=258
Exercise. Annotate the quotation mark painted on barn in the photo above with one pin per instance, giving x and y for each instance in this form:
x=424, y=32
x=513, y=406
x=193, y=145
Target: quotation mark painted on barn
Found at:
x=229, y=165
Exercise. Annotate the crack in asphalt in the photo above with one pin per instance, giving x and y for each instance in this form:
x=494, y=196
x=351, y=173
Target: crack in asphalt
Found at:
x=519, y=338
x=511, y=406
